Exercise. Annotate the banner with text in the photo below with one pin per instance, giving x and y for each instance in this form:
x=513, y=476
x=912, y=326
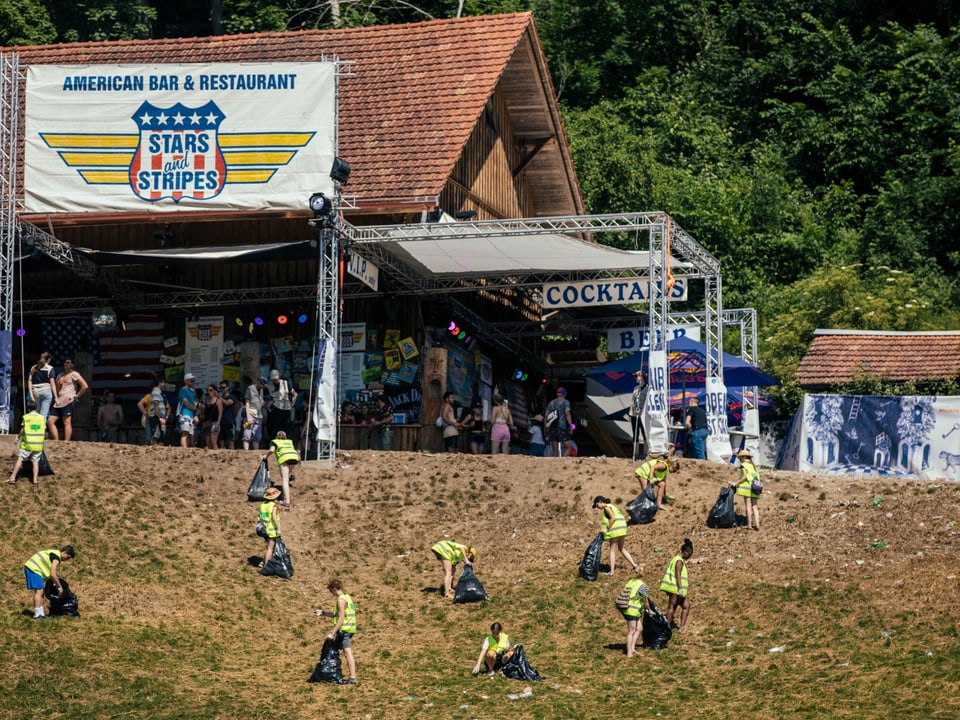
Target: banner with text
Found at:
x=638, y=338
x=178, y=138
x=615, y=291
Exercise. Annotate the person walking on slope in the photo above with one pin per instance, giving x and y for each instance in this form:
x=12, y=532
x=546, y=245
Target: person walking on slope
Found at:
x=39, y=568
x=450, y=554
x=676, y=584
x=614, y=529
x=346, y=623
x=32, y=434
x=269, y=517
x=286, y=456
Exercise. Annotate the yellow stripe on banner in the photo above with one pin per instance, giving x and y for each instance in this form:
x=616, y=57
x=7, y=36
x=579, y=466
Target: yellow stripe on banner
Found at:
x=258, y=158
x=249, y=176
x=100, y=142
x=105, y=177
x=260, y=140
x=97, y=159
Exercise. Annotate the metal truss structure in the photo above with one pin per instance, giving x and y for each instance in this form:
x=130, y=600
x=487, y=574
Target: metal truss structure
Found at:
x=10, y=78
x=665, y=241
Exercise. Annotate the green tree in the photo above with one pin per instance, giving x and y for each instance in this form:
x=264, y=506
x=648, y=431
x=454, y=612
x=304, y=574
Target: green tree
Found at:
x=24, y=22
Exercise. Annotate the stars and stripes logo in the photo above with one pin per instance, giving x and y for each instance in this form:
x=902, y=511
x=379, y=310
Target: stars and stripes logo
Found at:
x=179, y=153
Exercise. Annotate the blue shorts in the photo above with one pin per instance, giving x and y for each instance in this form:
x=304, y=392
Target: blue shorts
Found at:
x=34, y=581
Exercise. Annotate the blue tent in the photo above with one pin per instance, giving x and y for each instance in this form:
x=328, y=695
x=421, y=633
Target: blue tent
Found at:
x=687, y=361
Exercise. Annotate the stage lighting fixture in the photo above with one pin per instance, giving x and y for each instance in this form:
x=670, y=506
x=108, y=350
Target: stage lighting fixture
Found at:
x=340, y=171
x=520, y=375
x=21, y=332
x=302, y=319
x=238, y=321
x=258, y=320
x=282, y=319
x=320, y=205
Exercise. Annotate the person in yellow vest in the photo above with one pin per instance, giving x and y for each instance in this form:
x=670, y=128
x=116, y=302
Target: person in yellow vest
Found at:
x=614, y=529
x=450, y=554
x=32, y=434
x=269, y=517
x=748, y=474
x=287, y=456
x=637, y=590
x=495, y=652
x=345, y=618
x=676, y=584
x=656, y=468
x=39, y=568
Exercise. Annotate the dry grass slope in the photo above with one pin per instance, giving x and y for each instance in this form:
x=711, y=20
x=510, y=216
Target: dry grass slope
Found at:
x=176, y=623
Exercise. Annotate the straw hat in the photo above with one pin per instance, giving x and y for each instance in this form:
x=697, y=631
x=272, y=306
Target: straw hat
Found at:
x=271, y=494
x=745, y=453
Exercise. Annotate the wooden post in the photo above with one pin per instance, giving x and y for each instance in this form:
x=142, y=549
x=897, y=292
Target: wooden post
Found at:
x=434, y=386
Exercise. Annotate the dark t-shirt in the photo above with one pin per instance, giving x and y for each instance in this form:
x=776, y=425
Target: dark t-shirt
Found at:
x=698, y=417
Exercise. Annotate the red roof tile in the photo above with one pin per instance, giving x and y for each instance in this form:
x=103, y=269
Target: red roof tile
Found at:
x=839, y=356
x=406, y=110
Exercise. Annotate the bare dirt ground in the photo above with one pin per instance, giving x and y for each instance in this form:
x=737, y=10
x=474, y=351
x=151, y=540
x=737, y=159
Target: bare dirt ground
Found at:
x=165, y=536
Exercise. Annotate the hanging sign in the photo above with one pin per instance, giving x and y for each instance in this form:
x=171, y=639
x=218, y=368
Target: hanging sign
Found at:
x=617, y=291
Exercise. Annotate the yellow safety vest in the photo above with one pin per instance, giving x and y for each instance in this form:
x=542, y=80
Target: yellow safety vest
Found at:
x=647, y=472
x=748, y=473
x=669, y=582
x=284, y=450
x=41, y=564
x=616, y=527
x=635, y=609
x=498, y=646
x=454, y=552
x=266, y=517
x=34, y=427
x=349, y=616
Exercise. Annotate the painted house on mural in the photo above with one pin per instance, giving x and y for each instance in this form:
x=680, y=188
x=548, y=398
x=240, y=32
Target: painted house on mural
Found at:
x=909, y=435
x=165, y=187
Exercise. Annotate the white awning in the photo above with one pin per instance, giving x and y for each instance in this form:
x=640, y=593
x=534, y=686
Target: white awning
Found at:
x=197, y=254
x=492, y=255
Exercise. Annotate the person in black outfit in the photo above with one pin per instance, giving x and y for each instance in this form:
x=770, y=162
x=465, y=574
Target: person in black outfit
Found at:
x=696, y=424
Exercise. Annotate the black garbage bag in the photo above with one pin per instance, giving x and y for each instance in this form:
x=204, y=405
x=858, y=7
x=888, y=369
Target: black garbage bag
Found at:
x=644, y=507
x=723, y=515
x=280, y=564
x=469, y=588
x=26, y=470
x=260, y=483
x=517, y=667
x=63, y=602
x=590, y=565
x=328, y=669
x=656, y=630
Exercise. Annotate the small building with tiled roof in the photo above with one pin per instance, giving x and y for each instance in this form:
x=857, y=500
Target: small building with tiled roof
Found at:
x=836, y=357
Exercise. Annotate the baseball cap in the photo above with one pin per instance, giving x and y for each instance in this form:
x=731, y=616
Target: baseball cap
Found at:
x=274, y=374
x=561, y=391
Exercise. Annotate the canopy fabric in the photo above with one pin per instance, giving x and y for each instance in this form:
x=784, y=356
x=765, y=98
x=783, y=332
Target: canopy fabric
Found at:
x=453, y=254
x=687, y=362
x=166, y=256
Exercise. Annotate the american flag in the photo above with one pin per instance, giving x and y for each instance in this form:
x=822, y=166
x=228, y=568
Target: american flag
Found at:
x=65, y=337
x=129, y=357
x=123, y=360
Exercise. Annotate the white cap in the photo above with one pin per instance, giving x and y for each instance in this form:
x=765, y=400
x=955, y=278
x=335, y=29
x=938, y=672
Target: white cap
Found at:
x=189, y=376
x=274, y=374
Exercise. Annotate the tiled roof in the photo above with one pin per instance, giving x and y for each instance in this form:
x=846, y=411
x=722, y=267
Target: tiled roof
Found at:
x=406, y=110
x=839, y=356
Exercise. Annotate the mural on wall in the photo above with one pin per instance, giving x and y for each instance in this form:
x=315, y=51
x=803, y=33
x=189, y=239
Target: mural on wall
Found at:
x=914, y=436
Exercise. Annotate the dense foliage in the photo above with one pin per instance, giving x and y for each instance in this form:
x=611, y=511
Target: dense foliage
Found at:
x=812, y=145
